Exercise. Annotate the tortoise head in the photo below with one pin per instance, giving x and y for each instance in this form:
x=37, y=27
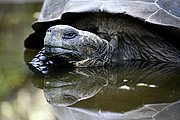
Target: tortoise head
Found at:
x=81, y=48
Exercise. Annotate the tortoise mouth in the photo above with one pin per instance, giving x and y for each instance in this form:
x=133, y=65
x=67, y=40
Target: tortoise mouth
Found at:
x=57, y=50
x=61, y=53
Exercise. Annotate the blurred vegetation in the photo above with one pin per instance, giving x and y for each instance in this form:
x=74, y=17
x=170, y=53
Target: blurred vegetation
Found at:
x=17, y=99
x=15, y=21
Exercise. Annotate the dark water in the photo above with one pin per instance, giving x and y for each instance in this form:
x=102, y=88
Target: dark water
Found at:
x=127, y=91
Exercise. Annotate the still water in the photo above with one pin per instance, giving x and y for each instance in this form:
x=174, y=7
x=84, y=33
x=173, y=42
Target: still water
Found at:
x=127, y=91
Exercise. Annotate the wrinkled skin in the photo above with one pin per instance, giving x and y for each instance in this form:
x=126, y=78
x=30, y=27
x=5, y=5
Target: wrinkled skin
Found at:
x=81, y=48
x=112, y=39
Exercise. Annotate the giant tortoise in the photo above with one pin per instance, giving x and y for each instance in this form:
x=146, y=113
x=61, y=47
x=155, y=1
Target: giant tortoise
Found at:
x=87, y=33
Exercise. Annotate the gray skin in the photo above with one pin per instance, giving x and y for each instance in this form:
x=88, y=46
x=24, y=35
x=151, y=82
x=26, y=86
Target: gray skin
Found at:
x=116, y=39
x=80, y=48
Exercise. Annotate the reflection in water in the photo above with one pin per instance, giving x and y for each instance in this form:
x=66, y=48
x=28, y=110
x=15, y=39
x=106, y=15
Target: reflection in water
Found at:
x=165, y=111
x=114, y=93
x=70, y=86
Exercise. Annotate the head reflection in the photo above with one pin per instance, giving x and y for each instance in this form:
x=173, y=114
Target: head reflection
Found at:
x=65, y=88
x=121, y=88
x=136, y=80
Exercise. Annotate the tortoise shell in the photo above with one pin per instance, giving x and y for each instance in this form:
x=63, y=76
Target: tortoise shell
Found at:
x=162, y=12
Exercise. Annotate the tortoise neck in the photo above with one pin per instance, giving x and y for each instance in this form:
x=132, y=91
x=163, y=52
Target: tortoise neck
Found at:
x=105, y=56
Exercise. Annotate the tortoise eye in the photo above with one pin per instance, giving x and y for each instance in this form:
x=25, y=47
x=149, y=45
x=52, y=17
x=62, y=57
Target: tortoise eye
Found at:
x=69, y=35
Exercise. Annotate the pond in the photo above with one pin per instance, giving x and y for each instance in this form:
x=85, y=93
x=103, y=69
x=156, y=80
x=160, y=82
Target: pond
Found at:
x=127, y=91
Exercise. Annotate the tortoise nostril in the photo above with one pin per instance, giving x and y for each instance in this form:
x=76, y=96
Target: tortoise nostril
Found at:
x=49, y=31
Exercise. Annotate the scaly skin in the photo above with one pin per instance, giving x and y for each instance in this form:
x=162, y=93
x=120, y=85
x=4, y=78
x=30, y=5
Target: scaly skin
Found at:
x=117, y=38
x=130, y=39
x=80, y=48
